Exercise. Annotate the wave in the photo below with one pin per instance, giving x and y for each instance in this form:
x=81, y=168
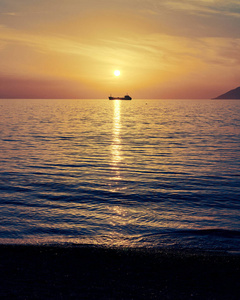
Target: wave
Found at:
x=227, y=233
x=207, y=239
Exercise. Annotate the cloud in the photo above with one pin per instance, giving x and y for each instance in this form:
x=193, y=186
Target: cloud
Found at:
x=150, y=51
x=193, y=18
x=221, y=51
x=10, y=14
x=206, y=7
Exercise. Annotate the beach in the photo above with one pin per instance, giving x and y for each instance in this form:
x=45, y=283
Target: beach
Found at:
x=90, y=272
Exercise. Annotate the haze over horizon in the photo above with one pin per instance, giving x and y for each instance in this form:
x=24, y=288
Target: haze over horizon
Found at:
x=163, y=49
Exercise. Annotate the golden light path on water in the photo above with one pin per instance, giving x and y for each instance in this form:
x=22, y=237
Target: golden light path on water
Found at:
x=116, y=140
x=116, y=216
x=117, y=213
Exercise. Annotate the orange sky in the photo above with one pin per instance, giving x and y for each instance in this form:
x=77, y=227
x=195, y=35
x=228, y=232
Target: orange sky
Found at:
x=164, y=49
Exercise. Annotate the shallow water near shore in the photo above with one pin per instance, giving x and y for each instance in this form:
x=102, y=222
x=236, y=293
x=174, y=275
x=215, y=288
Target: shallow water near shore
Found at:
x=140, y=173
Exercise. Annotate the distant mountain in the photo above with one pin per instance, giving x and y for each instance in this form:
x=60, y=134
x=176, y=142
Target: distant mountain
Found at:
x=233, y=94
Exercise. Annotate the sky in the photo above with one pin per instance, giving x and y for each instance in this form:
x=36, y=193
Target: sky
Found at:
x=162, y=48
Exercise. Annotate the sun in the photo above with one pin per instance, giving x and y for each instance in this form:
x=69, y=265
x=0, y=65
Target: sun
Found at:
x=117, y=73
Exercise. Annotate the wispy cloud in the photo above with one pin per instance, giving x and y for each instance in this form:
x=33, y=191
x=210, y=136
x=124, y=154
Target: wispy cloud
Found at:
x=155, y=50
x=202, y=8
x=206, y=7
x=10, y=14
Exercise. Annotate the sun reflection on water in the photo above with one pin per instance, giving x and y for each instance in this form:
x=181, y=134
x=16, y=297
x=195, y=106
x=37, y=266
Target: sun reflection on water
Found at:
x=116, y=139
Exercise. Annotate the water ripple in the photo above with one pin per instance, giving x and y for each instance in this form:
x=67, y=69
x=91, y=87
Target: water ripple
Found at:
x=120, y=173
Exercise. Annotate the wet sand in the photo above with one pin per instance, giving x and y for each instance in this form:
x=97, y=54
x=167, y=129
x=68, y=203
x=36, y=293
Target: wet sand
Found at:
x=77, y=272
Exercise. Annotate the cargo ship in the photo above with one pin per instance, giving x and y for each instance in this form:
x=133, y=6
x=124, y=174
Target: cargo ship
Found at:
x=126, y=97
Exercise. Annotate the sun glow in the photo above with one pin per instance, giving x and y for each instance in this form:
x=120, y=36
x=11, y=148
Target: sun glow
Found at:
x=117, y=73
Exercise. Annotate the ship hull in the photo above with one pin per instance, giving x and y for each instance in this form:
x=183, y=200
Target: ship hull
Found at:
x=120, y=98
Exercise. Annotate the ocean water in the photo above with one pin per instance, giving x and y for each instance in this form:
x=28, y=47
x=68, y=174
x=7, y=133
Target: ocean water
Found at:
x=140, y=173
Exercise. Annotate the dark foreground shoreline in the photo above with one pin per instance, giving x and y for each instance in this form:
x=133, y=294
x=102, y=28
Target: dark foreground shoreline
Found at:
x=87, y=272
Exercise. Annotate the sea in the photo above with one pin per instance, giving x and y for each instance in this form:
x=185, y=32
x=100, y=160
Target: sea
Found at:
x=141, y=173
